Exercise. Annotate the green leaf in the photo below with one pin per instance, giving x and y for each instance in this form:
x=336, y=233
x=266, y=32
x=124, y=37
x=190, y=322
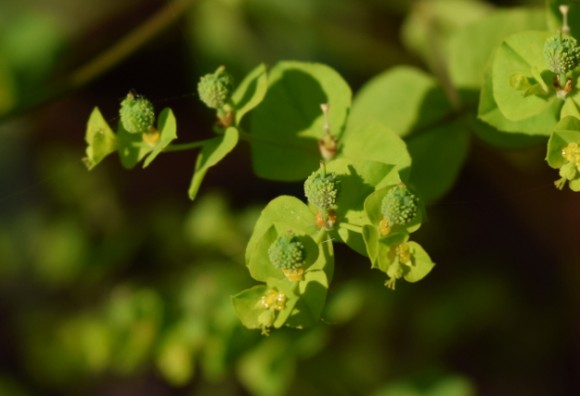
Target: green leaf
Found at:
x=488, y=111
x=259, y=265
x=419, y=266
x=438, y=155
x=421, y=263
x=250, y=308
x=212, y=152
x=371, y=239
x=132, y=148
x=313, y=291
x=471, y=47
x=100, y=139
x=567, y=131
x=246, y=304
x=375, y=143
x=285, y=128
x=250, y=92
x=570, y=109
x=286, y=213
x=431, y=22
x=521, y=52
x=403, y=99
x=167, y=127
x=358, y=179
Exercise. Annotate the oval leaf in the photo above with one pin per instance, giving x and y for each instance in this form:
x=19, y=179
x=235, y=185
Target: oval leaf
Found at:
x=212, y=152
x=286, y=126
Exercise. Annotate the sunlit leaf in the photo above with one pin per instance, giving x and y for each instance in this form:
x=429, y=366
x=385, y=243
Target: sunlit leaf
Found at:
x=285, y=128
x=212, y=152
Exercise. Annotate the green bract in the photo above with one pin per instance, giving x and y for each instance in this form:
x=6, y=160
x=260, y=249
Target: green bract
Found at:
x=215, y=89
x=564, y=152
x=287, y=253
x=100, y=139
x=136, y=113
x=562, y=53
x=399, y=206
x=322, y=189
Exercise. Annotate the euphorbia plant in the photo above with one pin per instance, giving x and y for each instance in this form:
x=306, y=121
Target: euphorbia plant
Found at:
x=369, y=164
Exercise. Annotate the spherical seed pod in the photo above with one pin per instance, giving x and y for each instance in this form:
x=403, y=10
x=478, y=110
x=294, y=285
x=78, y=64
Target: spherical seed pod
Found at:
x=399, y=206
x=287, y=253
x=136, y=113
x=215, y=89
x=561, y=53
x=322, y=189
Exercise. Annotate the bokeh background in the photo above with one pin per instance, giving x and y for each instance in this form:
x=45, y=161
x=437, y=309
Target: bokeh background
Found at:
x=113, y=283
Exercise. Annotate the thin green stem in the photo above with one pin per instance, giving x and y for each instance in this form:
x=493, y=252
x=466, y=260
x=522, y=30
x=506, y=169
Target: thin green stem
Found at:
x=108, y=59
x=352, y=227
x=185, y=146
x=128, y=44
x=321, y=236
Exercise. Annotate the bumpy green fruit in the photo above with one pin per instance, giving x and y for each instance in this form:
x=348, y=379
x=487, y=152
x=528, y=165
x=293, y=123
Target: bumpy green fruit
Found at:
x=562, y=53
x=287, y=253
x=399, y=206
x=215, y=89
x=322, y=189
x=137, y=114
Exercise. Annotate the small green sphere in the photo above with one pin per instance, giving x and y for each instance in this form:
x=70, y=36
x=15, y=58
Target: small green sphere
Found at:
x=399, y=206
x=322, y=189
x=561, y=53
x=215, y=89
x=136, y=113
x=287, y=253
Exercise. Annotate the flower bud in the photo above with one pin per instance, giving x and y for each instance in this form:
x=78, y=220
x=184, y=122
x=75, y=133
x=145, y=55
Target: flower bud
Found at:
x=136, y=113
x=215, y=89
x=322, y=189
x=561, y=53
x=399, y=206
x=287, y=253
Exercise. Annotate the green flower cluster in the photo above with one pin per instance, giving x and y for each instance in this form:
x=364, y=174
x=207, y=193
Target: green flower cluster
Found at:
x=136, y=113
x=562, y=53
x=287, y=253
x=399, y=206
x=322, y=189
x=215, y=89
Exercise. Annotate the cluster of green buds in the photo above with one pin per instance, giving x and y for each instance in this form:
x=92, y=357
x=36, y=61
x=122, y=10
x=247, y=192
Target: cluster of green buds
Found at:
x=136, y=113
x=271, y=302
x=562, y=55
x=288, y=254
x=215, y=89
x=571, y=169
x=398, y=208
x=322, y=189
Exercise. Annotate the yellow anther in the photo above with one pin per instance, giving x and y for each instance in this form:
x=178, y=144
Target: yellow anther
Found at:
x=384, y=227
x=294, y=275
x=273, y=299
x=403, y=253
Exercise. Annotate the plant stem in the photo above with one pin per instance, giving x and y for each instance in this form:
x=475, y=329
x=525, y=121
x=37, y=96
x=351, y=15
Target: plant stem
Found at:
x=352, y=227
x=185, y=146
x=106, y=60
x=320, y=237
x=128, y=44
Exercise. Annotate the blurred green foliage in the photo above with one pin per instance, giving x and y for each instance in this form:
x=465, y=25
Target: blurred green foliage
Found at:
x=111, y=284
